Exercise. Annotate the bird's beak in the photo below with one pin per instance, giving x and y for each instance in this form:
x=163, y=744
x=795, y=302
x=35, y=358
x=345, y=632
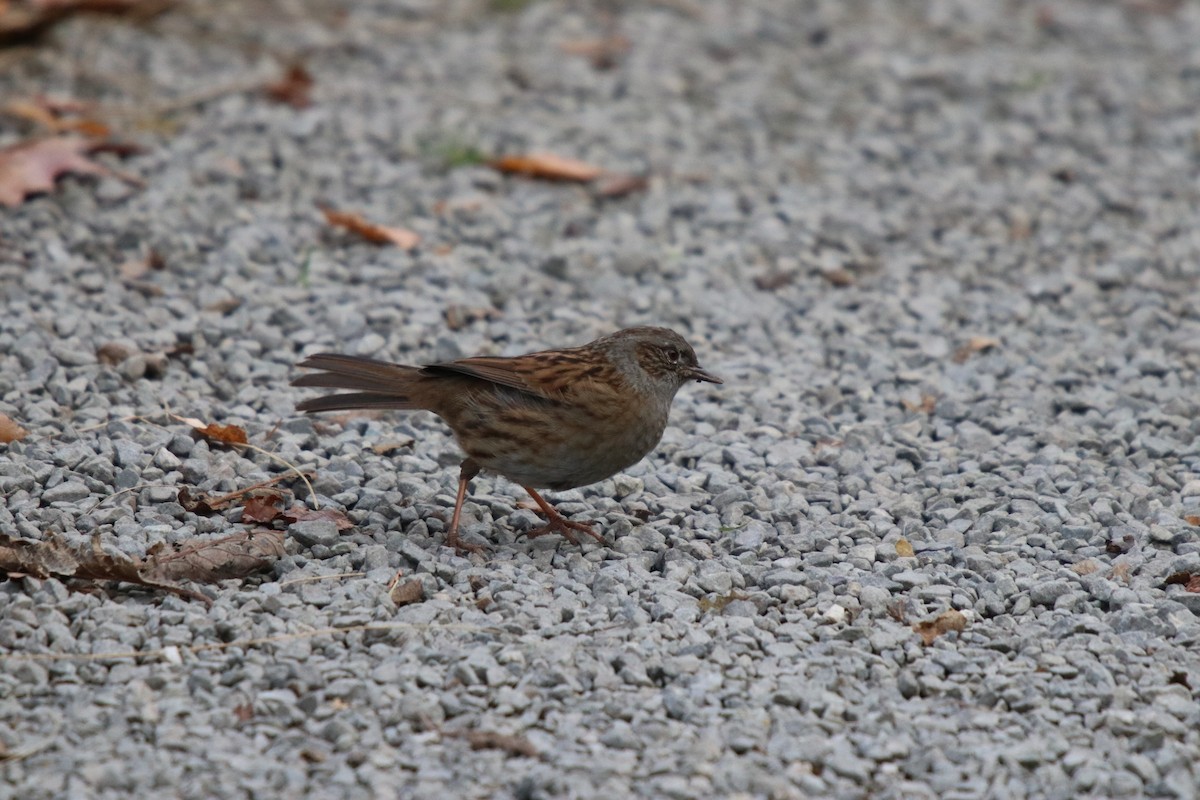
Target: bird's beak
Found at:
x=700, y=375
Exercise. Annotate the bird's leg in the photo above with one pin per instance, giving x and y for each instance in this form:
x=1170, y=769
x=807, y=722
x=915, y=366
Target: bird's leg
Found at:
x=559, y=524
x=466, y=473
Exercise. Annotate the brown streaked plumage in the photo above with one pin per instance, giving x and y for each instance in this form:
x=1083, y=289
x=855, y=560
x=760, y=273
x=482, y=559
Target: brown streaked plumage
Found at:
x=555, y=419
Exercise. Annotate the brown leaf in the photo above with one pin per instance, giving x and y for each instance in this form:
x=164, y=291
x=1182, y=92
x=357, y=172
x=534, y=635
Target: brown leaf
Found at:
x=10, y=431
x=1086, y=567
x=233, y=556
x=547, y=166
x=383, y=448
x=29, y=20
x=33, y=166
x=1192, y=519
x=54, y=559
x=407, y=593
x=375, y=234
x=976, y=344
x=56, y=117
x=904, y=549
x=300, y=513
x=945, y=622
x=294, y=88
x=226, y=434
x=243, y=712
x=262, y=510
x=1193, y=585
x=202, y=505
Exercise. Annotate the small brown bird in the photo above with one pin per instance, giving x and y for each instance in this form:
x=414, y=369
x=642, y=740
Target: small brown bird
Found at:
x=557, y=419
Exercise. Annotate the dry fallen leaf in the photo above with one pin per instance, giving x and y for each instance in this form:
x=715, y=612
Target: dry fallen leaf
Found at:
x=945, y=622
x=233, y=556
x=1192, y=519
x=262, y=510
x=383, y=448
x=10, y=431
x=904, y=549
x=547, y=166
x=54, y=559
x=56, y=116
x=33, y=166
x=299, y=513
x=1086, y=567
x=375, y=234
x=976, y=344
x=226, y=434
x=294, y=88
x=23, y=21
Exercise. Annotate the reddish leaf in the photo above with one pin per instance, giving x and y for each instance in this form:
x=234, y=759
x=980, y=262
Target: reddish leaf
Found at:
x=945, y=622
x=262, y=510
x=33, y=166
x=294, y=88
x=10, y=431
x=226, y=434
x=30, y=19
x=375, y=234
x=1193, y=585
x=547, y=166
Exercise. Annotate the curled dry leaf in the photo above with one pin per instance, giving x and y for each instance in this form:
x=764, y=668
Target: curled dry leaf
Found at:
x=945, y=622
x=375, y=234
x=300, y=513
x=226, y=434
x=294, y=88
x=56, y=117
x=383, y=448
x=52, y=558
x=23, y=21
x=10, y=431
x=904, y=548
x=547, y=166
x=233, y=556
x=262, y=510
x=33, y=166
x=976, y=344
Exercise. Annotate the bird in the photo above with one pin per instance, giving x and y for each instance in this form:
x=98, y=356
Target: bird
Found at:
x=554, y=419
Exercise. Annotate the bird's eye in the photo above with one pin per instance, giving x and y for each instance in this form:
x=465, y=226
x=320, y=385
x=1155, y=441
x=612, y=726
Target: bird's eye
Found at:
x=672, y=355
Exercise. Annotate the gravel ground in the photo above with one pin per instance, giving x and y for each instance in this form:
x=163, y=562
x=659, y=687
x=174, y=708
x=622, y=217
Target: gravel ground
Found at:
x=945, y=255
